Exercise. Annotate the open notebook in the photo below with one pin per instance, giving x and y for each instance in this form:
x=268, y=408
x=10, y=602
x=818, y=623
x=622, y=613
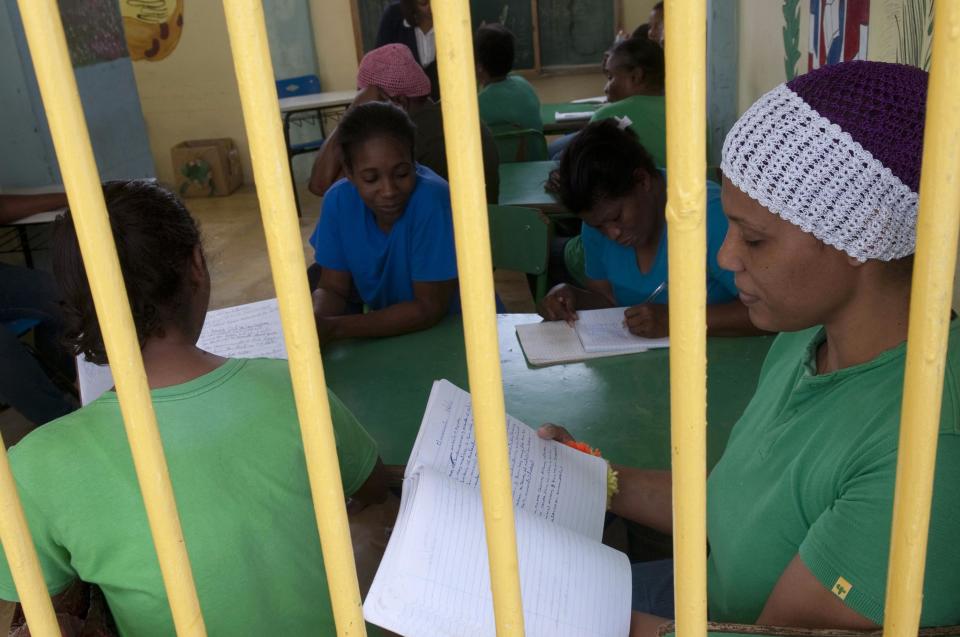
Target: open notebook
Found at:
x=596, y=334
x=251, y=330
x=434, y=577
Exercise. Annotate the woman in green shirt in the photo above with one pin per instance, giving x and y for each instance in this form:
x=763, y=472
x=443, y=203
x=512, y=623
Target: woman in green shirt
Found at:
x=820, y=187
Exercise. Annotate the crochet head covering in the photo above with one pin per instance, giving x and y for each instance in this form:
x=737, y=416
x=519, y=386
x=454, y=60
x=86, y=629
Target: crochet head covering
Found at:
x=392, y=69
x=837, y=152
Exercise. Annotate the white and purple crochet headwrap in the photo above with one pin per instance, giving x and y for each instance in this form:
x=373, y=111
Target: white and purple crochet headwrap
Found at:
x=837, y=152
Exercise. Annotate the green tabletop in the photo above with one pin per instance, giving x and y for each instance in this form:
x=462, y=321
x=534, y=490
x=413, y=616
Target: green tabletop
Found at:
x=548, y=115
x=522, y=183
x=619, y=404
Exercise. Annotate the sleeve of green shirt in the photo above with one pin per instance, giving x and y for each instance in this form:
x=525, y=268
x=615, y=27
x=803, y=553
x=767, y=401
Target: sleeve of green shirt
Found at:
x=356, y=449
x=848, y=547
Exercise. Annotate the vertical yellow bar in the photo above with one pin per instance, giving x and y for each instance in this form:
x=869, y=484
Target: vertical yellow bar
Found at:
x=933, y=271
x=58, y=88
x=261, y=114
x=22, y=557
x=462, y=131
x=685, y=37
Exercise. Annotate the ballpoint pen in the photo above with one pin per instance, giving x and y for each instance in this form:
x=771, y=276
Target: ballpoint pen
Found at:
x=656, y=292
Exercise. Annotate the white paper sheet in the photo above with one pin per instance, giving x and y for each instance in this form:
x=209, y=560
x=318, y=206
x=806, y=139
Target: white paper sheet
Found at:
x=606, y=331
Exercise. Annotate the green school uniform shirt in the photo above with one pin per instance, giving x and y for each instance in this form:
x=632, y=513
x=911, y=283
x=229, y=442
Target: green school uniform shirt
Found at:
x=236, y=461
x=649, y=121
x=810, y=469
x=511, y=101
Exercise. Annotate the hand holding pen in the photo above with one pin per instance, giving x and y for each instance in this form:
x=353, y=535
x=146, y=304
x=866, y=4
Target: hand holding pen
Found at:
x=646, y=319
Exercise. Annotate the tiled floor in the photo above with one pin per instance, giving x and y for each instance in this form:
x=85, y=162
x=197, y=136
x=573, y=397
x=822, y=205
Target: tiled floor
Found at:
x=239, y=267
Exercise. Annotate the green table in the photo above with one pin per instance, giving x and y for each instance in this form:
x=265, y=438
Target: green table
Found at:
x=548, y=115
x=522, y=183
x=619, y=404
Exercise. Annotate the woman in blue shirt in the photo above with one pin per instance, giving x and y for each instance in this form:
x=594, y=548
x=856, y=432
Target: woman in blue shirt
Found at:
x=385, y=231
x=610, y=181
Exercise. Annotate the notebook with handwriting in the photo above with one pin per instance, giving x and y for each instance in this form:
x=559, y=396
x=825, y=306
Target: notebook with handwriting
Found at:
x=434, y=577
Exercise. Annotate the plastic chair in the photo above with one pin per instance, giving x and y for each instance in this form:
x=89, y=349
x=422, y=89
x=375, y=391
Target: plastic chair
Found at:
x=293, y=87
x=520, y=144
x=520, y=241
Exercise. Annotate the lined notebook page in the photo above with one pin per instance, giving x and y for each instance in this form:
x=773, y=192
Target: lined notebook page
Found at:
x=550, y=480
x=251, y=330
x=605, y=331
x=434, y=578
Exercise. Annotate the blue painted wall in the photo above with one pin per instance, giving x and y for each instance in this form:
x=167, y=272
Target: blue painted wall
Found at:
x=110, y=102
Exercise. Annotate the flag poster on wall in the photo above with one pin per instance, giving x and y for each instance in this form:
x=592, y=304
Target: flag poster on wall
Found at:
x=838, y=31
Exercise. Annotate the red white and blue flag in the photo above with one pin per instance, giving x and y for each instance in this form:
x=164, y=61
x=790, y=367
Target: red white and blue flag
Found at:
x=838, y=31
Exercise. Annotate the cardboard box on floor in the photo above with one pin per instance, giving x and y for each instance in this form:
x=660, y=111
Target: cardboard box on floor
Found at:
x=206, y=167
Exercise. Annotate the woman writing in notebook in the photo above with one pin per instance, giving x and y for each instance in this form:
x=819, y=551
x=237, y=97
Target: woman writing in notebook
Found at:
x=821, y=181
x=232, y=442
x=610, y=181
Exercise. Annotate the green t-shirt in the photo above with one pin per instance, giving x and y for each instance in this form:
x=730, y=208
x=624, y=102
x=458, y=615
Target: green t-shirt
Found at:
x=649, y=116
x=234, y=451
x=810, y=469
x=511, y=101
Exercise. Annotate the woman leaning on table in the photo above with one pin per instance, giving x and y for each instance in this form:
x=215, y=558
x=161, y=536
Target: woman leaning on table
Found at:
x=820, y=188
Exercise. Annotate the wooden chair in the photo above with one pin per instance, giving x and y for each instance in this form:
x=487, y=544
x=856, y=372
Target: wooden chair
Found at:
x=520, y=241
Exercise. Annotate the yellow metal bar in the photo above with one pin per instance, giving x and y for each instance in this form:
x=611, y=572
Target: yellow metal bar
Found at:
x=22, y=557
x=685, y=25
x=41, y=21
x=933, y=272
x=462, y=132
x=261, y=111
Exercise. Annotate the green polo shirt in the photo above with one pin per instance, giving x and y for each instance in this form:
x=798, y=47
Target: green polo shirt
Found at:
x=648, y=114
x=810, y=469
x=511, y=101
x=233, y=448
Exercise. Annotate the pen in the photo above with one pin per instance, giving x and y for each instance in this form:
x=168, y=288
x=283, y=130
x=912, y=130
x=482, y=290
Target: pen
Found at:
x=655, y=293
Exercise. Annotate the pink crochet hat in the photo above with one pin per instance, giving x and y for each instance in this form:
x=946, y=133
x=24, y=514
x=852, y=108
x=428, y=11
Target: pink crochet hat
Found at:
x=392, y=69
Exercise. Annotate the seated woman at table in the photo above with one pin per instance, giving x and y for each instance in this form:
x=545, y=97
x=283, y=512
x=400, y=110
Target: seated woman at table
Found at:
x=505, y=100
x=385, y=231
x=609, y=180
x=232, y=442
x=390, y=74
x=799, y=506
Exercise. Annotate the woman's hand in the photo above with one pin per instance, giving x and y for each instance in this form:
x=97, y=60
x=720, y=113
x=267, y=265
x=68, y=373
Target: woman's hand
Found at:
x=648, y=321
x=550, y=431
x=560, y=304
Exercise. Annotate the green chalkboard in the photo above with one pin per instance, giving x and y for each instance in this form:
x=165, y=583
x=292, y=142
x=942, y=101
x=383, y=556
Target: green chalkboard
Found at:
x=571, y=32
x=574, y=32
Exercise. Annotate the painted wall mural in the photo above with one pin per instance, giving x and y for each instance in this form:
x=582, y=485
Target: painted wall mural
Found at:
x=915, y=32
x=791, y=37
x=839, y=31
x=153, y=27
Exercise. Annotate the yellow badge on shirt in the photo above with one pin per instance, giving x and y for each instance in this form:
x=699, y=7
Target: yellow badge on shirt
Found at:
x=842, y=588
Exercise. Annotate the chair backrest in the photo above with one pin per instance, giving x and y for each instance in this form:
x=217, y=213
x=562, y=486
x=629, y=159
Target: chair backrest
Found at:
x=302, y=85
x=520, y=144
x=520, y=241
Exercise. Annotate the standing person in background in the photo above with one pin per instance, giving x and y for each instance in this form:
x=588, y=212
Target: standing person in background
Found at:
x=410, y=22
x=505, y=100
x=655, y=24
x=31, y=294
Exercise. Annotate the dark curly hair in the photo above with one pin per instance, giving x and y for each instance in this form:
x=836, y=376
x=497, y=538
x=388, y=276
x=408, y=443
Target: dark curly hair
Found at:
x=640, y=53
x=493, y=47
x=374, y=119
x=600, y=163
x=155, y=238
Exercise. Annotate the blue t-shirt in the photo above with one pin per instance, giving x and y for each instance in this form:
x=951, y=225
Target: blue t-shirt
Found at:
x=608, y=260
x=384, y=266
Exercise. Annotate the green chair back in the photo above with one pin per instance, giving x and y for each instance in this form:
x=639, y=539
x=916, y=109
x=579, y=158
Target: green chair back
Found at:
x=520, y=144
x=520, y=241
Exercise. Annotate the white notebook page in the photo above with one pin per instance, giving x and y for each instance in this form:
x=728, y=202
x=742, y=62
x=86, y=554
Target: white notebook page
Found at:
x=606, y=331
x=434, y=578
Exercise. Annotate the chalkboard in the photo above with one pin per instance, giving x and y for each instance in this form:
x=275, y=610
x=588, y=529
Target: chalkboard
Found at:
x=565, y=32
x=574, y=32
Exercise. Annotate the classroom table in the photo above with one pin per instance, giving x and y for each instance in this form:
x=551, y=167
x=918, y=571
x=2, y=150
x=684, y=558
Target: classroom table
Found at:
x=23, y=236
x=618, y=404
x=522, y=183
x=548, y=115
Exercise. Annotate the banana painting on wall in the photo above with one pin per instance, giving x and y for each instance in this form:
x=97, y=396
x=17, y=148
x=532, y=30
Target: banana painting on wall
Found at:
x=152, y=27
